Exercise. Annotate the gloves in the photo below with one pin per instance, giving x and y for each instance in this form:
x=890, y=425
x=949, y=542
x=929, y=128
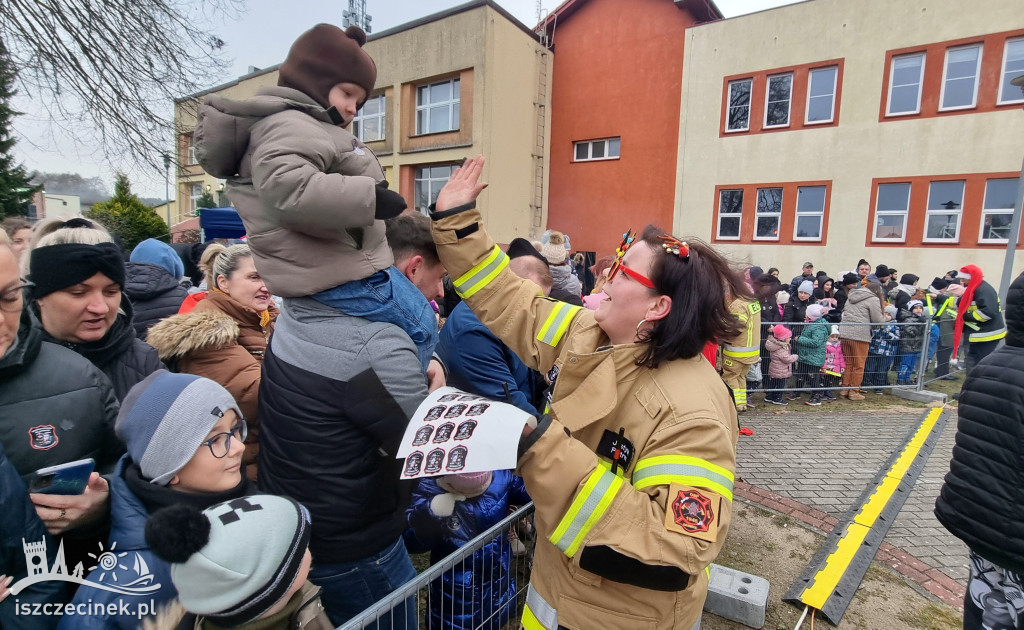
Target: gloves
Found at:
x=389, y=204
x=444, y=504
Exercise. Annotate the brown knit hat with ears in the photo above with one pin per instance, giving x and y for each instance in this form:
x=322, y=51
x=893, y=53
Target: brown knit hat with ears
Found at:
x=325, y=56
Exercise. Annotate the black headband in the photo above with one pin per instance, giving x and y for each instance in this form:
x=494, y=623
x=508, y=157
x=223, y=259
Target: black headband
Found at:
x=56, y=267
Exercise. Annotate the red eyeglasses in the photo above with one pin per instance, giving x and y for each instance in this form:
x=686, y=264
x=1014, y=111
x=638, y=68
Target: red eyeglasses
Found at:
x=617, y=264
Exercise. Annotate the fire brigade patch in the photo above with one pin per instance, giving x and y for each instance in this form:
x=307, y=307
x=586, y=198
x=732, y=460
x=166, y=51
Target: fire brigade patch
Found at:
x=694, y=512
x=43, y=437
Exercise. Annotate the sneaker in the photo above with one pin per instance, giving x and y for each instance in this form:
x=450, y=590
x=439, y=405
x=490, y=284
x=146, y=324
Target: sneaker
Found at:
x=793, y=396
x=750, y=406
x=879, y=392
x=829, y=396
x=814, y=402
x=779, y=402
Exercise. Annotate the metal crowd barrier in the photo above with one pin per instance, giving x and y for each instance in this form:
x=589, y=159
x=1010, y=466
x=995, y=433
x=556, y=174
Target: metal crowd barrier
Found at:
x=391, y=611
x=880, y=372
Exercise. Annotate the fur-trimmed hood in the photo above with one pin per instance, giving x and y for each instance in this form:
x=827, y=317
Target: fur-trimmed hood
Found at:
x=180, y=335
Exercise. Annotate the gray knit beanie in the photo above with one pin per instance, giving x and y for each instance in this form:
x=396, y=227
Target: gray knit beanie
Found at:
x=234, y=561
x=806, y=287
x=166, y=417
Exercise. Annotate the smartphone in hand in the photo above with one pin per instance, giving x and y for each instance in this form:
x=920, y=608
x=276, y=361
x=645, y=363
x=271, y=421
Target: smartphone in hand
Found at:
x=69, y=478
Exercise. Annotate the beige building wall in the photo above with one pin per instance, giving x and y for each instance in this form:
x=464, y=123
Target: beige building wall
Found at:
x=504, y=91
x=858, y=149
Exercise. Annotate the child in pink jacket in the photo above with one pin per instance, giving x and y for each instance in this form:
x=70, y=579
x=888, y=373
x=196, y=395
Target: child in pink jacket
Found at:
x=835, y=364
x=781, y=366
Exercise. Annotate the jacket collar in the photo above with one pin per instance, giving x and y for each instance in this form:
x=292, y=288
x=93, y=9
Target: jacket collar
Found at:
x=244, y=315
x=593, y=379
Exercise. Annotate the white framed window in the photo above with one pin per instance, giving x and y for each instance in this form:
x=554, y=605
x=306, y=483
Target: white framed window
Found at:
x=437, y=107
x=1013, y=67
x=428, y=182
x=960, y=78
x=891, y=208
x=997, y=210
x=195, y=191
x=730, y=213
x=769, y=214
x=944, y=210
x=590, y=150
x=190, y=149
x=821, y=95
x=368, y=125
x=810, y=213
x=905, y=76
x=779, y=99
x=738, y=117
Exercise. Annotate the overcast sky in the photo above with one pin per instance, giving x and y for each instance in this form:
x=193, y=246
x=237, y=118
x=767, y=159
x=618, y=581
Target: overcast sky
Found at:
x=261, y=37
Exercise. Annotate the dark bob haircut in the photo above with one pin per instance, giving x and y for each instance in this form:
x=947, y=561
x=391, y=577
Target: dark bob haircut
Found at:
x=699, y=287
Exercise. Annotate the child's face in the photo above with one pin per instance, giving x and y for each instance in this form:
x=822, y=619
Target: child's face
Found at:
x=208, y=473
x=833, y=338
x=345, y=97
x=888, y=317
x=918, y=310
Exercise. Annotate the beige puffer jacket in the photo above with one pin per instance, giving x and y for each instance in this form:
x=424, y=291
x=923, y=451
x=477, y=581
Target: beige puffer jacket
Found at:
x=304, y=187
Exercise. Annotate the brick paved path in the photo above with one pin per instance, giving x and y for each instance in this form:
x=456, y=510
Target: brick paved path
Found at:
x=824, y=460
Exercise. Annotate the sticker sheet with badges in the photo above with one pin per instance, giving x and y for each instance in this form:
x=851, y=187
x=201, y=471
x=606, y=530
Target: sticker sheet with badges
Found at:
x=693, y=511
x=454, y=431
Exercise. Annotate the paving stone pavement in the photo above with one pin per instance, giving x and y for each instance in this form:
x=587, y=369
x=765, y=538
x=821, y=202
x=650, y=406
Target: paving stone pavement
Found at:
x=825, y=460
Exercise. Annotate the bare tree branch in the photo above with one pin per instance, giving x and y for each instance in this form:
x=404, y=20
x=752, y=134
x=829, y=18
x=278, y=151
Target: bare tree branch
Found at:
x=107, y=71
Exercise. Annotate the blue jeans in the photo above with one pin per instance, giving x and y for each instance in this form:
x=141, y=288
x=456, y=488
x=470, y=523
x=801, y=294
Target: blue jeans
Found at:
x=389, y=297
x=933, y=342
x=907, y=364
x=876, y=370
x=350, y=588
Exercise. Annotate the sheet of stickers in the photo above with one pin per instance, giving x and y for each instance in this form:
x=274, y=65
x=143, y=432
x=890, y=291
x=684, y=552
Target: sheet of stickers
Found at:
x=455, y=432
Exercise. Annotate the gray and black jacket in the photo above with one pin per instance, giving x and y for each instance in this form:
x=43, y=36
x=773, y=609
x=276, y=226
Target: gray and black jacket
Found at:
x=336, y=395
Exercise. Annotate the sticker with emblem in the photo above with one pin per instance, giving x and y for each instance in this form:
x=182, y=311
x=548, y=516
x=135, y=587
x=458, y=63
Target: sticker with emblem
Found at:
x=43, y=437
x=693, y=511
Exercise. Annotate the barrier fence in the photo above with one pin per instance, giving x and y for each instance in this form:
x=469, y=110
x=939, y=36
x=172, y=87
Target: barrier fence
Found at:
x=483, y=591
x=900, y=354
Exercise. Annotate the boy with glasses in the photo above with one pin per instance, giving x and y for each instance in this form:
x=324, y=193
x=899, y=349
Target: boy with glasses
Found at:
x=185, y=442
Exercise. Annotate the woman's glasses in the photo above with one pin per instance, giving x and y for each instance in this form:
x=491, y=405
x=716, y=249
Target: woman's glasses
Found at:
x=617, y=264
x=220, y=444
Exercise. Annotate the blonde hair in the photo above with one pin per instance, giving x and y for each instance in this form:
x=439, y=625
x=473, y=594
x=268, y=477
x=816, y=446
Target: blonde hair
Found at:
x=52, y=232
x=218, y=261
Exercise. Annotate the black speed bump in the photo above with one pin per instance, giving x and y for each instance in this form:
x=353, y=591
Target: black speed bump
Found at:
x=837, y=569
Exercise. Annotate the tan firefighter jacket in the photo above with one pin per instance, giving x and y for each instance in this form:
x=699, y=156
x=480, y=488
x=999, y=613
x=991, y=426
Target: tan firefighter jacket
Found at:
x=746, y=346
x=627, y=526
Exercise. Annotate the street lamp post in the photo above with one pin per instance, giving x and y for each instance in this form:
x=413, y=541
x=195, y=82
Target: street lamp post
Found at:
x=167, y=188
x=1012, y=237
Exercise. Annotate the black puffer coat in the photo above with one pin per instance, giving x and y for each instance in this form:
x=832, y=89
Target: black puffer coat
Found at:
x=982, y=500
x=154, y=294
x=55, y=407
x=122, y=356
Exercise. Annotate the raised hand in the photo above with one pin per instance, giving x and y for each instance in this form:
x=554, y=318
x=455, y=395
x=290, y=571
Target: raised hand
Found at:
x=463, y=186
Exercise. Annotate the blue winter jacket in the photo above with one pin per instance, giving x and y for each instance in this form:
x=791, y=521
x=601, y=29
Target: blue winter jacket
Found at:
x=480, y=363
x=479, y=592
x=128, y=518
x=18, y=522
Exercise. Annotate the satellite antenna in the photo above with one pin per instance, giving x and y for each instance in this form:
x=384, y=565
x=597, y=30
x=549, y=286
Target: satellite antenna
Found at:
x=356, y=15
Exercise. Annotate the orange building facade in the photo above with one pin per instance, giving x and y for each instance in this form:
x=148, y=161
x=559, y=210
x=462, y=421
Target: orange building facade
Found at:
x=615, y=106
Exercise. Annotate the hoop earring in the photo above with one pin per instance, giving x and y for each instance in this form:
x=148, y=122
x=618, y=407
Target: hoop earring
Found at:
x=642, y=322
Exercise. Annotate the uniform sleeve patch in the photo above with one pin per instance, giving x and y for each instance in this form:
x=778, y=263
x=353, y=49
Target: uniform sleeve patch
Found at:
x=694, y=512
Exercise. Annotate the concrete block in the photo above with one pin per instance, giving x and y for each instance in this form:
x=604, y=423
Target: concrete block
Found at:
x=924, y=395
x=737, y=596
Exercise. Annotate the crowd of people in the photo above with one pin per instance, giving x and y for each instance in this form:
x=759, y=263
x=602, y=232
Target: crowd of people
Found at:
x=242, y=403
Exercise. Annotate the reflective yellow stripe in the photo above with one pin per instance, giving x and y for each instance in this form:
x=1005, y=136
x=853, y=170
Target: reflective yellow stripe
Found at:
x=480, y=275
x=737, y=351
x=982, y=337
x=754, y=308
x=557, y=323
x=707, y=570
x=739, y=396
x=664, y=470
x=586, y=510
x=537, y=613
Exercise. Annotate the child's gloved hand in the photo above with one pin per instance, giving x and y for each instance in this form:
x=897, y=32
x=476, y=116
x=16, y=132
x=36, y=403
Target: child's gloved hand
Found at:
x=444, y=504
x=389, y=204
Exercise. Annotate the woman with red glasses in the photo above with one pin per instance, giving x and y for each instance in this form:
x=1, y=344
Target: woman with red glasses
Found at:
x=631, y=467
